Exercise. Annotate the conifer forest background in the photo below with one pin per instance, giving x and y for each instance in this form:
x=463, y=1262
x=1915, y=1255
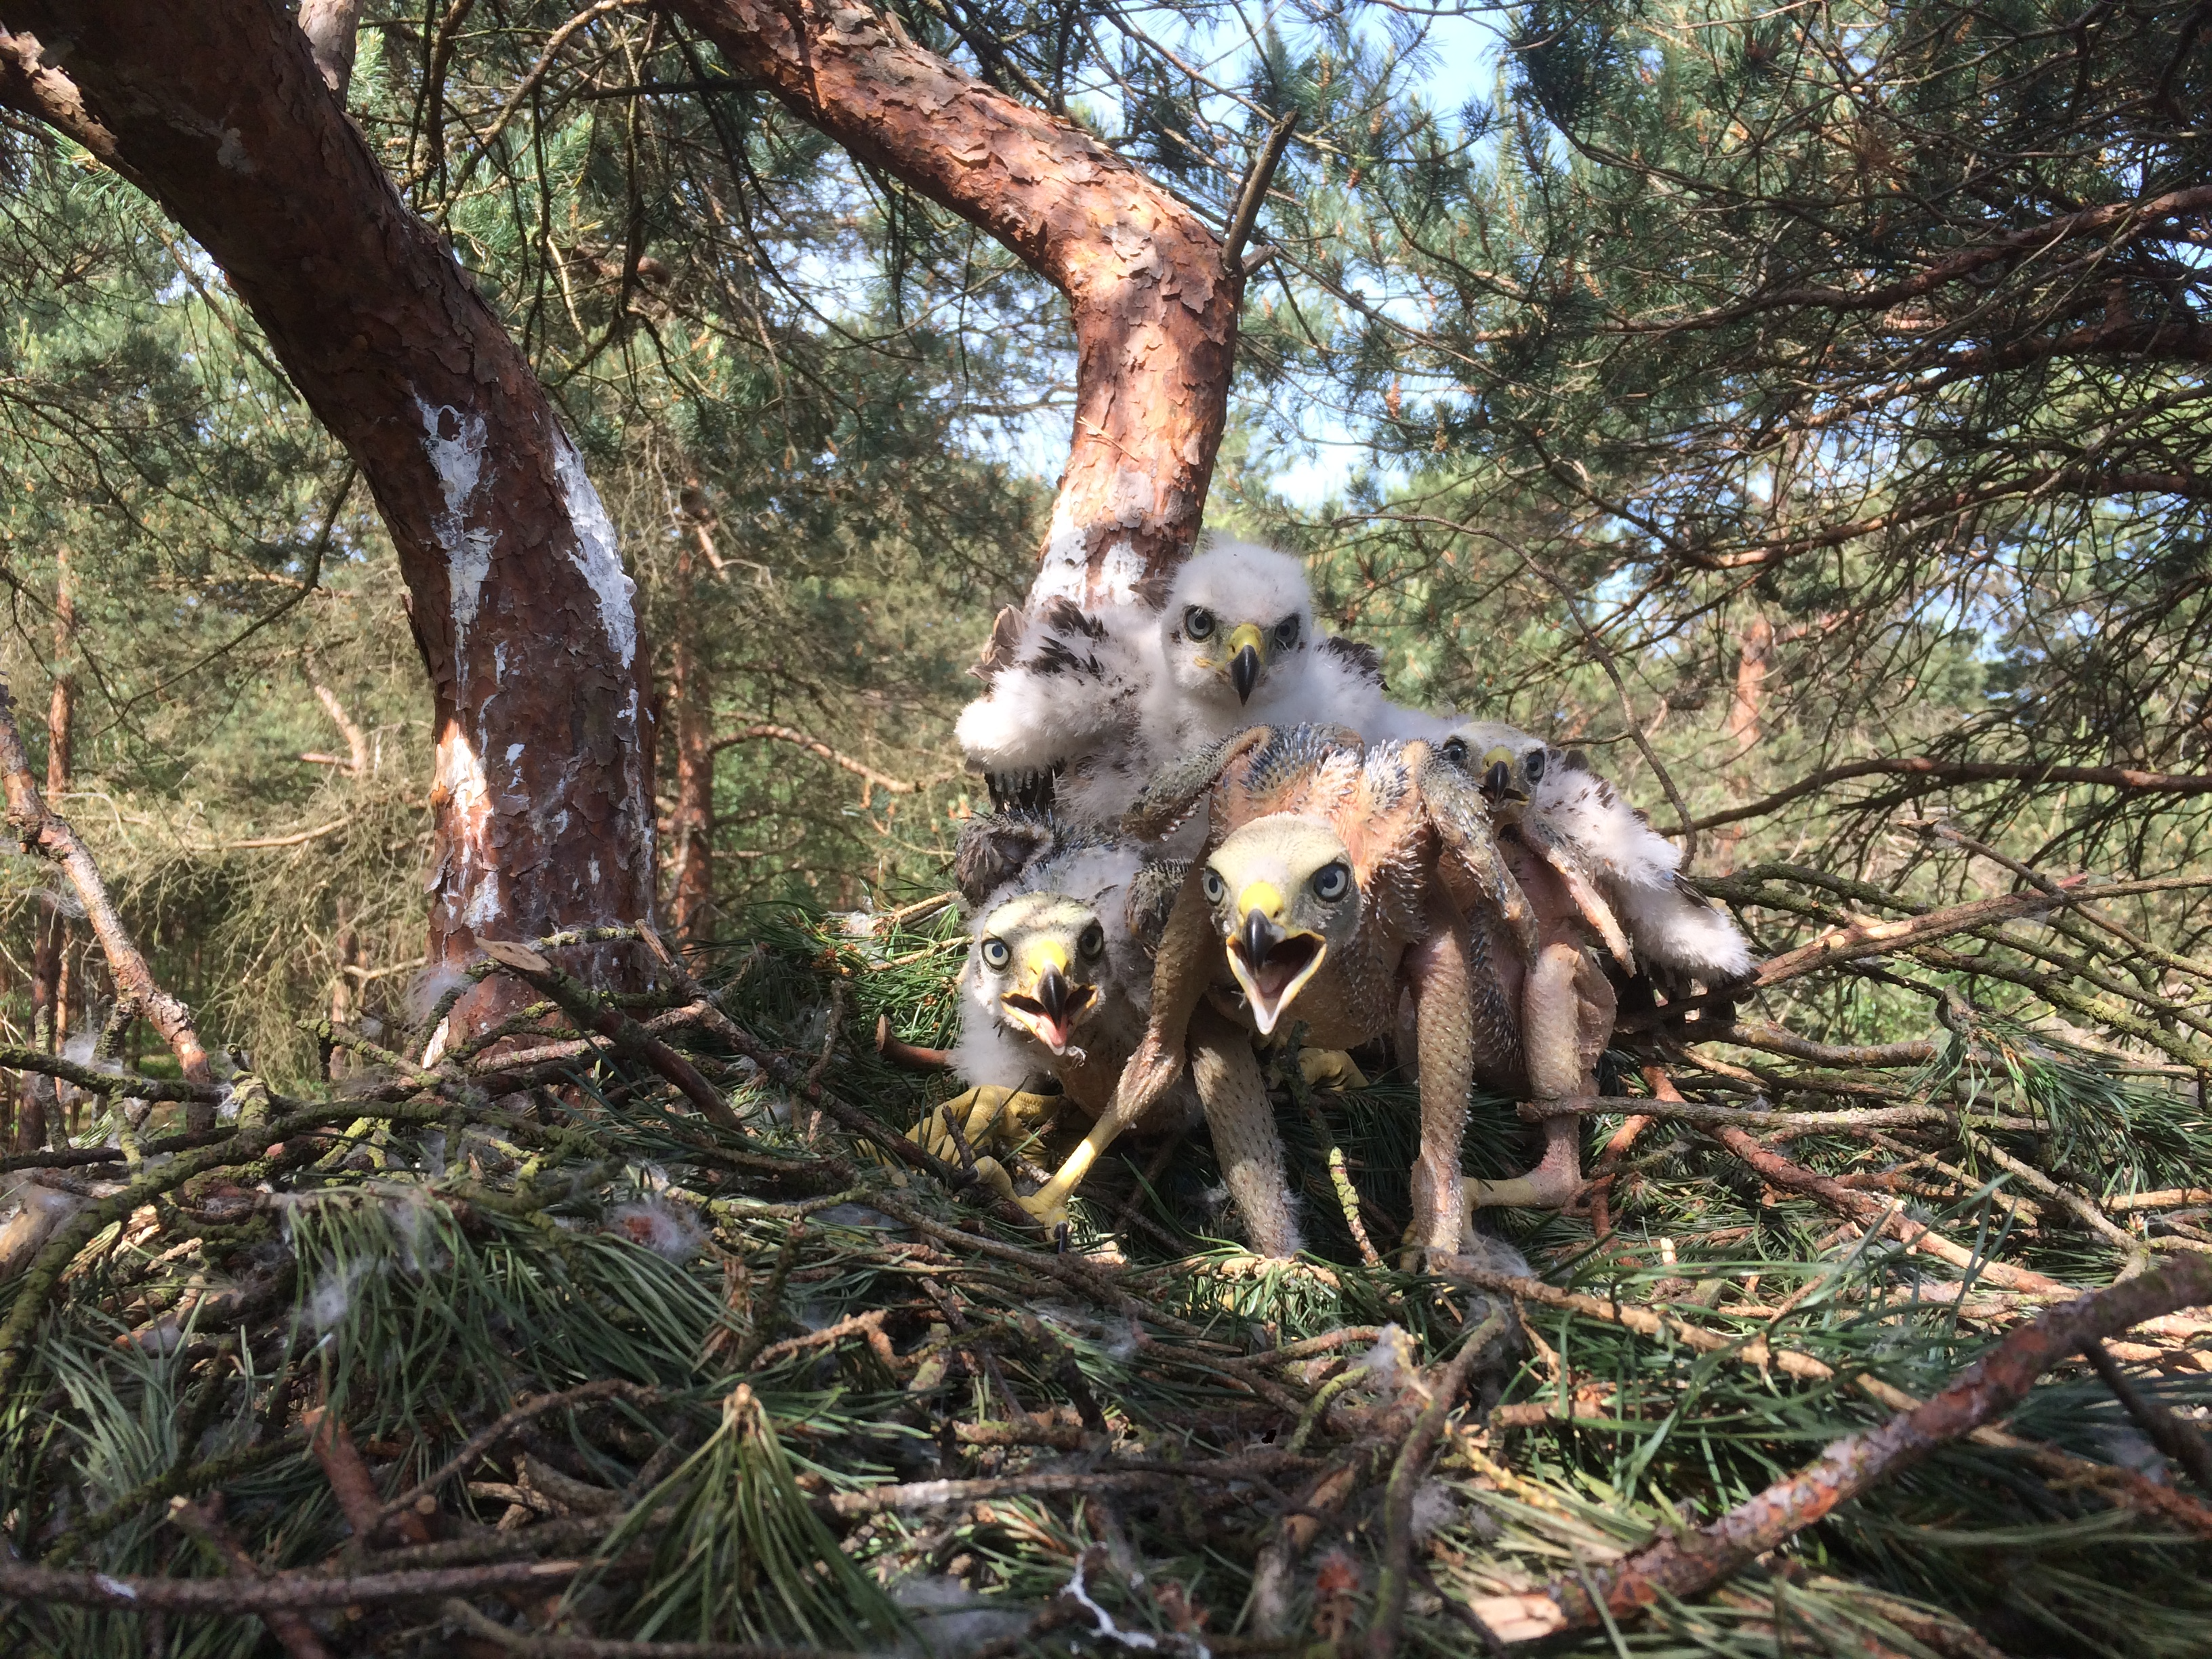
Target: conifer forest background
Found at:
x=1802, y=409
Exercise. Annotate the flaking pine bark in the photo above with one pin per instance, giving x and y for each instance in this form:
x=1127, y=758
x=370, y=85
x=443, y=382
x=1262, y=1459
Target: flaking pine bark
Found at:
x=526, y=622
x=519, y=602
x=1152, y=291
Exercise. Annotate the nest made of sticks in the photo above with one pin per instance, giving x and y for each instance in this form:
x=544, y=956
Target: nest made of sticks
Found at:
x=529, y=1352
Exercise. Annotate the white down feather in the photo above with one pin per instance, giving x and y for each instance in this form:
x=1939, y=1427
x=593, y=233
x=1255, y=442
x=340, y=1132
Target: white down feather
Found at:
x=1639, y=870
x=1110, y=696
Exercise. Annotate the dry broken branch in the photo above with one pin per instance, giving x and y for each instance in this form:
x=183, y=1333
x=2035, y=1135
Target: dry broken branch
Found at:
x=761, y=730
x=46, y=832
x=593, y=1013
x=1937, y=772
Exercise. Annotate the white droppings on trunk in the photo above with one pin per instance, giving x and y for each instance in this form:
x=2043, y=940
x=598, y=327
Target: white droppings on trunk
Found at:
x=513, y=753
x=1121, y=570
x=457, y=459
x=482, y=908
x=1064, y=570
x=598, y=555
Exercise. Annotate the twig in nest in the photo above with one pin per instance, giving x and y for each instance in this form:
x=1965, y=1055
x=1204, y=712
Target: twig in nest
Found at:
x=1288, y=1540
x=205, y=1522
x=48, y=834
x=1389, y=1625
x=770, y=1299
x=1693, y=1562
x=1870, y=1211
x=2182, y=1442
x=497, y=1430
x=908, y=1055
x=1765, y=1035
x=592, y=1012
x=940, y=1494
x=231, y=1597
x=868, y=1325
x=352, y=1485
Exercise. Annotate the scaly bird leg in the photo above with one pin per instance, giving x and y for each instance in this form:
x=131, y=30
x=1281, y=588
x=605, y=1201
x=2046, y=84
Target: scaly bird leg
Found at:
x=988, y=1116
x=1241, y=1121
x=1437, y=972
x=1551, y=1028
x=1189, y=950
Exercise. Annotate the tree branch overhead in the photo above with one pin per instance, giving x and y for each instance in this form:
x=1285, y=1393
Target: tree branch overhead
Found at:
x=1153, y=304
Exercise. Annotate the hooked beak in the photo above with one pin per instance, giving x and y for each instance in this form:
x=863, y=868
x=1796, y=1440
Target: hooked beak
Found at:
x=1272, y=964
x=1497, y=781
x=1050, y=1006
x=1248, y=655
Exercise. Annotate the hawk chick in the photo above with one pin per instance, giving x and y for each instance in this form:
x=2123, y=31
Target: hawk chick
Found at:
x=1595, y=839
x=1084, y=707
x=1057, y=983
x=1339, y=878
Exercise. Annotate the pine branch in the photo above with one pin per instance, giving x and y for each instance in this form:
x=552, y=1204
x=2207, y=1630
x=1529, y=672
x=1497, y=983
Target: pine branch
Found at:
x=1687, y=1565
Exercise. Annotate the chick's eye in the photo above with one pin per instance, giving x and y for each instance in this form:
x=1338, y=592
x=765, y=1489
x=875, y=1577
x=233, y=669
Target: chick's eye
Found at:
x=1331, y=881
x=1455, y=750
x=1092, y=941
x=1534, y=763
x=1216, y=888
x=995, y=954
x=1286, y=633
x=1197, y=623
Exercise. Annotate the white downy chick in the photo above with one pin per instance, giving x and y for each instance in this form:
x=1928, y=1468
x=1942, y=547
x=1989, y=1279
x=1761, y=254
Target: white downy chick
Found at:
x=1063, y=923
x=1099, y=700
x=1671, y=928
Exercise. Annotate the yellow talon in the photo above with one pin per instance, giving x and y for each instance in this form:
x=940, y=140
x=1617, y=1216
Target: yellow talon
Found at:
x=1050, y=1212
x=1330, y=1068
x=993, y=1174
x=990, y=1117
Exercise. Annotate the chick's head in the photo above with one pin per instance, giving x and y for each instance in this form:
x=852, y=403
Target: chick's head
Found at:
x=1038, y=961
x=1282, y=892
x=1506, y=764
x=1239, y=618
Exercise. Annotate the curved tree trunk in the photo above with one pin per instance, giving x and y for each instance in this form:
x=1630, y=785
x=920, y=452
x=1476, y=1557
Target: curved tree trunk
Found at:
x=526, y=620
x=1154, y=301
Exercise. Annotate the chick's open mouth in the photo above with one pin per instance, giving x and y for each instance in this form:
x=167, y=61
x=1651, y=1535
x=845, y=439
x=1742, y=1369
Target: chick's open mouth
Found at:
x=1284, y=963
x=1054, y=1028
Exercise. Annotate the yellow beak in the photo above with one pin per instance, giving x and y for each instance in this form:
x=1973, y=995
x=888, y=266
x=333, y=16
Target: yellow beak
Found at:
x=1045, y=1002
x=1272, y=962
x=1248, y=655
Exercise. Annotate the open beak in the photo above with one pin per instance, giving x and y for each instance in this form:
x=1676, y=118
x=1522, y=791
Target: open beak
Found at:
x=1049, y=1006
x=1248, y=655
x=1272, y=963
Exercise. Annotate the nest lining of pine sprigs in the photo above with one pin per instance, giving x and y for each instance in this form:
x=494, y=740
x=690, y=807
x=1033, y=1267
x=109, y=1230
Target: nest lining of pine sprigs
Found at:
x=532, y=1358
